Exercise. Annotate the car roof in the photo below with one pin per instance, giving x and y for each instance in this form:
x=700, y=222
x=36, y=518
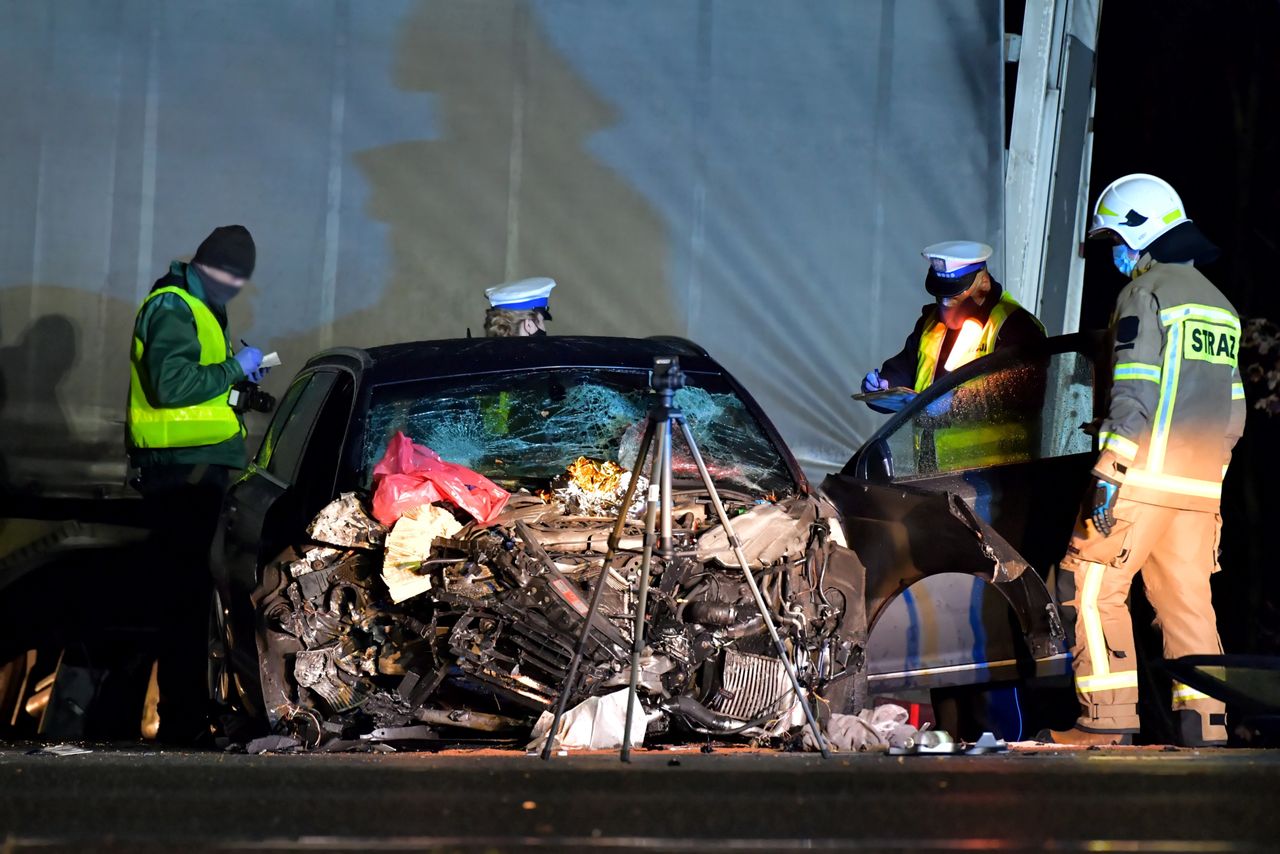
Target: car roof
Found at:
x=396, y=363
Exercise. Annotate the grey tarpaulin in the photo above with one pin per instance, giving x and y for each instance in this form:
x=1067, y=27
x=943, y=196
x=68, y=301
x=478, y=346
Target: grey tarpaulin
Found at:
x=758, y=176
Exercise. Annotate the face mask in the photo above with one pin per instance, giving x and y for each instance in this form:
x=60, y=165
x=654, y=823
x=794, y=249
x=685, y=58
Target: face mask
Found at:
x=220, y=293
x=1126, y=259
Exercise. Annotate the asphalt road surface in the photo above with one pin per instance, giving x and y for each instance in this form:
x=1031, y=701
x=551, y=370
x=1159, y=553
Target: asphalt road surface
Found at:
x=139, y=799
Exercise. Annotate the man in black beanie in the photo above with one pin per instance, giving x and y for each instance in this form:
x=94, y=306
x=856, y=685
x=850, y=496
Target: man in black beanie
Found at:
x=186, y=441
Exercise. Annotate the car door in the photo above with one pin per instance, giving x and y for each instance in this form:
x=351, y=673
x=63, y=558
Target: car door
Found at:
x=999, y=448
x=291, y=477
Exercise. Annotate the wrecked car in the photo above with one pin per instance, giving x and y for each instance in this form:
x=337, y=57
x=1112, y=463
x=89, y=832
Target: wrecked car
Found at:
x=465, y=629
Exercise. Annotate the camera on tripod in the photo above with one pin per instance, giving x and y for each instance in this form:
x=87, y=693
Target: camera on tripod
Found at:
x=247, y=397
x=666, y=374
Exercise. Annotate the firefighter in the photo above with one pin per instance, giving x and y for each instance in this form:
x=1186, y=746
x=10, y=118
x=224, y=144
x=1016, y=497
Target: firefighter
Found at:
x=185, y=442
x=1174, y=414
x=971, y=316
x=518, y=308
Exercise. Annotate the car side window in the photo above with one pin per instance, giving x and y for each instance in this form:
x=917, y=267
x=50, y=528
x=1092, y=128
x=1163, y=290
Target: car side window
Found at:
x=315, y=479
x=1026, y=411
x=283, y=410
x=284, y=444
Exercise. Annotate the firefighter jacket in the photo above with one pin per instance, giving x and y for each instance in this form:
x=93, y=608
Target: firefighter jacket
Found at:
x=1176, y=407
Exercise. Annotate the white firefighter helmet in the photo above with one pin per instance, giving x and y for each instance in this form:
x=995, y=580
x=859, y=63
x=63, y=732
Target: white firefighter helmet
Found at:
x=1139, y=208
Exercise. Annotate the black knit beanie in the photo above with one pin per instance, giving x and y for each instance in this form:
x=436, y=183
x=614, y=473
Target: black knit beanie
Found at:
x=230, y=249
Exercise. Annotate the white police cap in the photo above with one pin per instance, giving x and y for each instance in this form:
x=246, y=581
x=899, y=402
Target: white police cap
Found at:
x=524, y=294
x=956, y=258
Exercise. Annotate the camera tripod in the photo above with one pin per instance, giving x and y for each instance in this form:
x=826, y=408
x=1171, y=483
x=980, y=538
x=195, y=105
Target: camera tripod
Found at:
x=666, y=380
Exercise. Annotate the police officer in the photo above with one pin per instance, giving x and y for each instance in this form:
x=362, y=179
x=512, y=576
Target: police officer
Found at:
x=1175, y=411
x=518, y=308
x=185, y=441
x=970, y=317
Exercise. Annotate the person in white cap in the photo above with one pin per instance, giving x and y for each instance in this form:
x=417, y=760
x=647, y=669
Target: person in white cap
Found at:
x=518, y=309
x=1175, y=410
x=971, y=316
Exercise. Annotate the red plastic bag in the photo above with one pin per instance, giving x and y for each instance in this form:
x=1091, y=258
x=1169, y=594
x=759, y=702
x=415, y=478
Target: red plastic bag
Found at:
x=411, y=475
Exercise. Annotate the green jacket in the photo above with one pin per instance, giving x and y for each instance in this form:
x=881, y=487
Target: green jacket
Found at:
x=172, y=369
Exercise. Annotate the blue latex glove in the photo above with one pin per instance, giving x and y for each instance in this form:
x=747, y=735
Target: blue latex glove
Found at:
x=250, y=359
x=872, y=382
x=1102, y=506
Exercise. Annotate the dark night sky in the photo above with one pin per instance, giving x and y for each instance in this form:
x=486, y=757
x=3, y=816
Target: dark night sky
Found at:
x=1189, y=90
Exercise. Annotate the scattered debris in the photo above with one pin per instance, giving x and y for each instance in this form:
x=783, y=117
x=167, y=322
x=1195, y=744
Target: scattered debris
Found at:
x=596, y=723
x=272, y=744
x=987, y=743
x=930, y=741
x=345, y=523
x=883, y=728
x=59, y=750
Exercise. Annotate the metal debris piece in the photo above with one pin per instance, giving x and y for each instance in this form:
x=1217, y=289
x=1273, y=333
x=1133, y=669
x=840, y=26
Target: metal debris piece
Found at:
x=345, y=523
x=467, y=719
x=59, y=750
x=402, y=733
x=987, y=743
x=314, y=560
x=317, y=669
x=272, y=744
x=935, y=742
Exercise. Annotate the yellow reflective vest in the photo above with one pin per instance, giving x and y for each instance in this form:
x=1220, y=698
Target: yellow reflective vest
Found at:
x=969, y=445
x=206, y=423
x=973, y=341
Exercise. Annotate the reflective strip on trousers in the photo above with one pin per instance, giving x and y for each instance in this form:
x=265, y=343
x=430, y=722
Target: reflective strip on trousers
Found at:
x=1109, y=682
x=1237, y=391
x=1185, y=694
x=1101, y=679
x=1172, y=483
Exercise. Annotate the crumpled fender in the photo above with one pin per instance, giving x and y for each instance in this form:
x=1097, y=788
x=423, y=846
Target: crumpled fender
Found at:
x=903, y=535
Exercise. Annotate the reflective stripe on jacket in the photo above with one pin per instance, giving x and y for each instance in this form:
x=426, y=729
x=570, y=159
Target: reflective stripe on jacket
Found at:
x=973, y=341
x=1177, y=402
x=206, y=423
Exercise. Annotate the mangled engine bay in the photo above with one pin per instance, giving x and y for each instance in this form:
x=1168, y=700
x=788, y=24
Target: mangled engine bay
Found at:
x=473, y=637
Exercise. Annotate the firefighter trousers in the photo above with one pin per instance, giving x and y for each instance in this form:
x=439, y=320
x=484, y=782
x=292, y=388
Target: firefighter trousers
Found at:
x=1177, y=552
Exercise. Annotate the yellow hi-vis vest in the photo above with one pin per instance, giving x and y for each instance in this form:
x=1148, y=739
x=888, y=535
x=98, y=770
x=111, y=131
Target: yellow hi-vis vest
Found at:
x=965, y=446
x=972, y=342
x=205, y=423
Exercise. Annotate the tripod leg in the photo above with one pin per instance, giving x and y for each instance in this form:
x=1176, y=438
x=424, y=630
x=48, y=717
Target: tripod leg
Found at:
x=755, y=588
x=642, y=598
x=614, y=538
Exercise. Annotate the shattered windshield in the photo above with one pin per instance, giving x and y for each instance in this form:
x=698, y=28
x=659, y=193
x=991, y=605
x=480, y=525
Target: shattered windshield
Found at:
x=530, y=426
